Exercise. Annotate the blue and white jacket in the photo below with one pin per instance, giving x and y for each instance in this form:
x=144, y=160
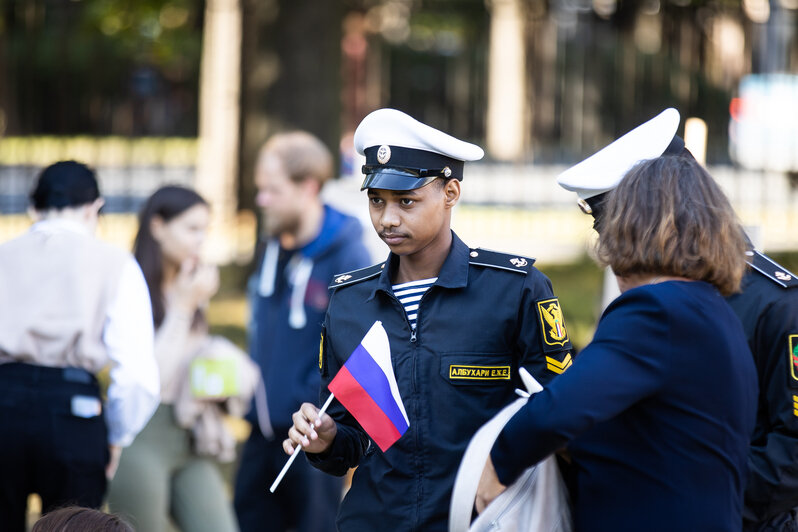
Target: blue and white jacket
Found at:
x=288, y=298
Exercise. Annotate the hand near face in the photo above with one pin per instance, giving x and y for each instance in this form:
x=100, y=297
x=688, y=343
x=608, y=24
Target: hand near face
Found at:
x=195, y=285
x=313, y=434
x=489, y=487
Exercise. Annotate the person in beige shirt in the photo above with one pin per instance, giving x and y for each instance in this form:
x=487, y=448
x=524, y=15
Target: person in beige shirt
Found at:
x=70, y=306
x=169, y=475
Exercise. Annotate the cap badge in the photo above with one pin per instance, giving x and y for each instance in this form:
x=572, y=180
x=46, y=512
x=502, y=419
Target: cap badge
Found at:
x=781, y=276
x=341, y=278
x=383, y=154
x=447, y=172
x=519, y=262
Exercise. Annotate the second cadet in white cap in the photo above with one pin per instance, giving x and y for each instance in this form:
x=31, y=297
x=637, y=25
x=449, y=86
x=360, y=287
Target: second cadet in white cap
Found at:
x=602, y=171
x=461, y=322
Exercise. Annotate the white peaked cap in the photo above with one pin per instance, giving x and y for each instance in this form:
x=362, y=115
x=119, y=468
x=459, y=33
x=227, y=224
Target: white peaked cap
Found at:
x=602, y=171
x=395, y=128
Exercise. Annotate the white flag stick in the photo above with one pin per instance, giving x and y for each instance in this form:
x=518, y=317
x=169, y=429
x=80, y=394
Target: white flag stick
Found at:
x=298, y=448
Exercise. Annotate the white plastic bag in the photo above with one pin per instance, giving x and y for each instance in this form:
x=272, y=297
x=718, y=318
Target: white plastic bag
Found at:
x=536, y=502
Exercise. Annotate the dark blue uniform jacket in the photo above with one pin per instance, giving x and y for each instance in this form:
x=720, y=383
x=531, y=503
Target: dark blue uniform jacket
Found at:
x=768, y=309
x=476, y=325
x=658, y=410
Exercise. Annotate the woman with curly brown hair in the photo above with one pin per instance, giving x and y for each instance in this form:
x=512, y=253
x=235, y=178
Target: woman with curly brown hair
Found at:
x=657, y=412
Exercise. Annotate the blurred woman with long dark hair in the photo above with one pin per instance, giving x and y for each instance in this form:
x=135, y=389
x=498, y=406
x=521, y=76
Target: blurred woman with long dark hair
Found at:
x=162, y=475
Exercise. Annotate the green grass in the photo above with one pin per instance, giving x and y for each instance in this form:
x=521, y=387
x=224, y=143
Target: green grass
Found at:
x=578, y=287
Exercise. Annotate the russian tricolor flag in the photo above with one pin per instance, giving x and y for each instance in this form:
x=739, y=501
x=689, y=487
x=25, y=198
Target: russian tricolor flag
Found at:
x=366, y=386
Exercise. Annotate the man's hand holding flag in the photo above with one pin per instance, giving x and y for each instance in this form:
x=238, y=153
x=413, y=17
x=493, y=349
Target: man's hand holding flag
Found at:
x=366, y=387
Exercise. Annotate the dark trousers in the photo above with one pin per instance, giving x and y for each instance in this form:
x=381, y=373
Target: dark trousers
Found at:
x=44, y=448
x=306, y=500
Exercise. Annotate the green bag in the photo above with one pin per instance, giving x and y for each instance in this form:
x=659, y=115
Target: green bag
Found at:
x=214, y=378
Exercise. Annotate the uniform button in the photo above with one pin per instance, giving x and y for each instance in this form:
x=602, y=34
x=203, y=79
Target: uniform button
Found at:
x=474, y=254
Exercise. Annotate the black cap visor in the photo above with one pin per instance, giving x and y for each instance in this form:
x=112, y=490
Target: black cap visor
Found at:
x=594, y=206
x=396, y=179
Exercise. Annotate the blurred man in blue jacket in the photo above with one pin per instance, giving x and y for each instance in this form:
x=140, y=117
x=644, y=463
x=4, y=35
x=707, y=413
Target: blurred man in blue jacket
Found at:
x=307, y=243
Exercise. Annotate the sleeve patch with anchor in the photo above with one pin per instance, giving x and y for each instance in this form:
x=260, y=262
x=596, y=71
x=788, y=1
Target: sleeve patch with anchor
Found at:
x=792, y=352
x=552, y=324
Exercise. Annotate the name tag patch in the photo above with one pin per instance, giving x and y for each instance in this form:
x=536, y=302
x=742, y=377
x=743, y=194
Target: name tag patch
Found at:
x=479, y=373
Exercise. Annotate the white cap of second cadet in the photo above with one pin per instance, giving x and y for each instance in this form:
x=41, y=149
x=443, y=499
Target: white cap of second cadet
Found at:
x=602, y=171
x=404, y=154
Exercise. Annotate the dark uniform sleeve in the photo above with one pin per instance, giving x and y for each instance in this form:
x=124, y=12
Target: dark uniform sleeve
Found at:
x=572, y=403
x=350, y=443
x=543, y=340
x=772, y=486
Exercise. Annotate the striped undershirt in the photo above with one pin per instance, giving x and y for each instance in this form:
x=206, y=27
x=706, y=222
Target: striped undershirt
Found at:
x=409, y=294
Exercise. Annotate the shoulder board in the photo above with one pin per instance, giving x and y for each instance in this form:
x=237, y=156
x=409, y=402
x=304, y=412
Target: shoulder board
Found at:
x=355, y=276
x=771, y=269
x=502, y=261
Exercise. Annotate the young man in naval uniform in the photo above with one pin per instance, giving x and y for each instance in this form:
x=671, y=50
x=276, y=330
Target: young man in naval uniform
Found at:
x=767, y=306
x=461, y=322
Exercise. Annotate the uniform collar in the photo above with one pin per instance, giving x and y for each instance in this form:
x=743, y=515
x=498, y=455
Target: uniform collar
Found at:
x=453, y=274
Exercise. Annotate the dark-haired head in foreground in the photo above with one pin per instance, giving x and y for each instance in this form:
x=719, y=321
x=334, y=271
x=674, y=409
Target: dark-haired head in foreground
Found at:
x=78, y=519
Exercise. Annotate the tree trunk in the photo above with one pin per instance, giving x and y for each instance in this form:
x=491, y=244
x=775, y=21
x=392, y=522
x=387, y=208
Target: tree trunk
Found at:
x=219, y=111
x=291, y=71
